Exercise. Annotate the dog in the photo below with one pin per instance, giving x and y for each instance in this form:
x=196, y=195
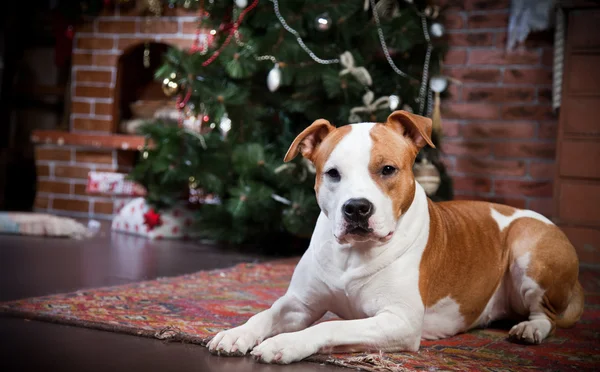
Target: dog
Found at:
x=399, y=268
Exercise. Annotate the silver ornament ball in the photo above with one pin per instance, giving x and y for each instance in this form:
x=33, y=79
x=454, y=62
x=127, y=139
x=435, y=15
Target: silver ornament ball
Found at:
x=394, y=102
x=241, y=3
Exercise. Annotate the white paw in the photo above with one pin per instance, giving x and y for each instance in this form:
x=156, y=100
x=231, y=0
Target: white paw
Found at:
x=531, y=331
x=235, y=341
x=284, y=349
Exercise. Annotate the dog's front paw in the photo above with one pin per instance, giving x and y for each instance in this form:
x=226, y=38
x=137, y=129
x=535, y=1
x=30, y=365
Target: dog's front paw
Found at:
x=234, y=342
x=284, y=349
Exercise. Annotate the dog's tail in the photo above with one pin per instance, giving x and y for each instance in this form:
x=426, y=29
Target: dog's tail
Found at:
x=574, y=310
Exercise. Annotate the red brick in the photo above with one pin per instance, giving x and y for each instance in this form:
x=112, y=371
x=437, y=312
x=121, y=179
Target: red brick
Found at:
x=80, y=189
x=126, y=43
x=469, y=39
x=107, y=60
x=103, y=108
x=53, y=187
x=455, y=57
x=493, y=167
x=81, y=108
x=455, y=92
x=544, y=94
x=548, y=57
x=450, y=128
x=69, y=171
x=523, y=188
x=513, y=202
x=452, y=110
x=93, y=92
x=498, y=94
x=116, y=27
x=473, y=184
x=52, y=154
x=42, y=170
x=508, y=129
x=525, y=150
x=97, y=125
x=103, y=207
x=71, y=205
x=451, y=5
x=544, y=206
x=548, y=129
x=100, y=157
x=41, y=202
x=474, y=75
x=159, y=27
x=453, y=21
x=488, y=20
x=189, y=28
x=94, y=43
x=87, y=76
x=538, y=75
x=534, y=40
x=82, y=59
x=541, y=170
x=466, y=148
x=531, y=112
x=180, y=43
x=486, y=4
x=502, y=57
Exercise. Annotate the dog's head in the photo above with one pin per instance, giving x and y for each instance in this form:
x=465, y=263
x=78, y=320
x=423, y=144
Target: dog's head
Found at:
x=364, y=179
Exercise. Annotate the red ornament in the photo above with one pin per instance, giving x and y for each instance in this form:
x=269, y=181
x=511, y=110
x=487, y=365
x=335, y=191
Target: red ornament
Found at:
x=152, y=219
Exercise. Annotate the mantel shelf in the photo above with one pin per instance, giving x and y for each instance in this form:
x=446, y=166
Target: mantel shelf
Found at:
x=101, y=141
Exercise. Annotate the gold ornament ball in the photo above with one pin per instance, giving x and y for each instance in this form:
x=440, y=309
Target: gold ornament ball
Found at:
x=170, y=87
x=428, y=176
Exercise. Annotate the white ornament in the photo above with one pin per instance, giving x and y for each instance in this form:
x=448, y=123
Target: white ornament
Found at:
x=407, y=108
x=437, y=29
x=394, y=102
x=241, y=3
x=225, y=124
x=323, y=22
x=438, y=84
x=274, y=78
x=360, y=73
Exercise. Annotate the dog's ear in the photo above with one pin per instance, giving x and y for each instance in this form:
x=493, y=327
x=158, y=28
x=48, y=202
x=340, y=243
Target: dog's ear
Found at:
x=309, y=139
x=417, y=128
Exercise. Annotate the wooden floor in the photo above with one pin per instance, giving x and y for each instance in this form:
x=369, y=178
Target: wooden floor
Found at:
x=37, y=266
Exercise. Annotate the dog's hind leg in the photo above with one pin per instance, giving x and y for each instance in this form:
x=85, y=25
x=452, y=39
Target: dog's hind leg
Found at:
x=543, y=270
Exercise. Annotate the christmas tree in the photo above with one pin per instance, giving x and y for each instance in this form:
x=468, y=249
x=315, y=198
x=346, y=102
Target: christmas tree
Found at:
x=271, y=69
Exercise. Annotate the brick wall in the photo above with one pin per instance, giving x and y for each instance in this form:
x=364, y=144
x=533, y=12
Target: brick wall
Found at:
x=62, y=176
x=499, y=125
x=97, y=47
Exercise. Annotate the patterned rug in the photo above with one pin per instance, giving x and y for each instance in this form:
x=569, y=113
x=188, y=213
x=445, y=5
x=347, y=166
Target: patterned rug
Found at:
x=194, y=307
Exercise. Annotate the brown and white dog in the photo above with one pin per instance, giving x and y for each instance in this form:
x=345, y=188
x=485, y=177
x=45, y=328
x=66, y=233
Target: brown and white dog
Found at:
x=400, y=268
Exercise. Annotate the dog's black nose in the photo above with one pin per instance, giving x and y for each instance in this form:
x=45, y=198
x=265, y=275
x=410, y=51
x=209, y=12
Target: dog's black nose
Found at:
x=357, y=210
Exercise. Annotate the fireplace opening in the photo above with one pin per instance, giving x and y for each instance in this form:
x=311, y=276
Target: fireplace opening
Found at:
x=137, y=94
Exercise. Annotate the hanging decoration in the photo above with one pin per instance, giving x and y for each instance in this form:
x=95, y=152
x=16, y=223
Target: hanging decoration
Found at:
x=241, y=3
x=323, y=22
x=437, y=84
x=394, y=102
x=360, y=73
x=274, y=78
x=147, y=54
x=225, y=125
x=370, y=106
x=170, y=87
x=428, y=176
x=437, y=29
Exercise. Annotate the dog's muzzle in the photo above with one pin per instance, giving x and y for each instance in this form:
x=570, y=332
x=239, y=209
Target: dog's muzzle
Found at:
x=356, y=213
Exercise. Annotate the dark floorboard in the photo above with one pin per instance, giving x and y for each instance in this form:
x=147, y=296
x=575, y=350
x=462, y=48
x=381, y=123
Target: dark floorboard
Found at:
x=40, y=266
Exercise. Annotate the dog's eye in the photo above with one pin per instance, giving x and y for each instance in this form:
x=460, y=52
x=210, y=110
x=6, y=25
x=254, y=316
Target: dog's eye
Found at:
x=388, y=170
x=334, y=174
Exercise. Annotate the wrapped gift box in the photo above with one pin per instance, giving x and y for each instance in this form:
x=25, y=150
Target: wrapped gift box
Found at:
x=138, y=218
x=108, y=183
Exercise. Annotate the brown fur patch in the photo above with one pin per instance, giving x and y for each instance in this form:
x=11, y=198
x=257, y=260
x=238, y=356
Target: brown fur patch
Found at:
x=467, y=256
x=322, y=152
x=391, y=148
